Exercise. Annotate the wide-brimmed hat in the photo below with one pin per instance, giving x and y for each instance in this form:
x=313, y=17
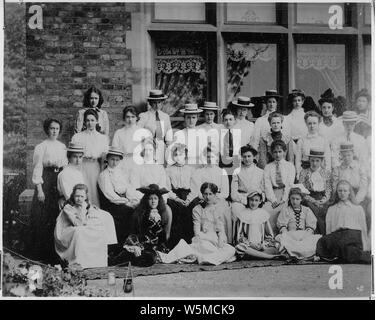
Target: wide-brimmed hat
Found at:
x=75, y=147
x=298, y=188
x=208, y=105
x=346, y=146
x=243, y=102
x=271, y=94
x=115, y=152
x=156, y=95
x=254, y=193
x=316, y=153
x=349, y=116
x=297, y=93
x=327, y=96
x=191, y=108
x=153, y=189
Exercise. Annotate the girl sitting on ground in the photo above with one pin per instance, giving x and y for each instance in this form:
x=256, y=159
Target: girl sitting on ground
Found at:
x=346, y=231
x=250, y=231
x=297, y=225
x=83, y=231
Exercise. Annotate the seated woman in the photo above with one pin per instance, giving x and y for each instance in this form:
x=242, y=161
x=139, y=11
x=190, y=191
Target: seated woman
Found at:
x=148, y=171
x=211, y=172
x=83, y=231
x=346, y=231
x=265, y=155
x=296, y=225
x=179, y=177
x=152, y=222
x=116, y=194
x=317, y=181
x=250, y=231
x=209, y=245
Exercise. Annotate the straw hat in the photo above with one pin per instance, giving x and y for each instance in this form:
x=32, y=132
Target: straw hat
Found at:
x=243, y=102
x=346, y=146
x=156, y=95
x=271, y=94
x=210, y=106
x=349, y=116
x=75, y=147
x=298, y=189
x=316, y=153
x=153, y=189
x=115, y=152
x=191, y=108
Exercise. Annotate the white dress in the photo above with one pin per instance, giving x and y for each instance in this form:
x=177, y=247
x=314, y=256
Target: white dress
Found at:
x=82, y=236
x=67, y=179
x=95, y=147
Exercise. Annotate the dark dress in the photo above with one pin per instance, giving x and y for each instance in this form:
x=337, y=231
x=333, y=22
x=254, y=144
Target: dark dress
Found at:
x=41, y=241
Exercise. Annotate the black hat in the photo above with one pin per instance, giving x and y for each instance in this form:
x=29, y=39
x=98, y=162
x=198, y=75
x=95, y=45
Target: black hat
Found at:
x=153, y=189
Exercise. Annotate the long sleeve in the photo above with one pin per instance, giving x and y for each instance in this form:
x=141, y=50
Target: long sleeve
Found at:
x=283, y=218
x=329, y=217
x=310, y=219
x=224, y=190
x=79, y=121
x=328, y=185
x=38, y=164
x=168, y=131
x=290, y=176
x=262, y=152
x=270, y=195
x=195, y=185
x=116, y=140
x=106, y=187
x=235, y=195
x=197, y=215
x=62, y=184
x=335, y=178
x=361, y=194
x=327, y=156
x=298, y=157
x=256, y=136
x=105, y=128
x=290, y=156
x=362, y=223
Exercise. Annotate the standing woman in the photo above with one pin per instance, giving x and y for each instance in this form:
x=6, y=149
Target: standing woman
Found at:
x=312, y=140
x=212, y=128
x=363, y=108
x=93, y=99
x=158, y=123
x=129, y=137
x=49, y=159
x=95, y=147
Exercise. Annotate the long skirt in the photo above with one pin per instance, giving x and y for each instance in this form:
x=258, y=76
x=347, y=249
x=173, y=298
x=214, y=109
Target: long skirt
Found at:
x=85, y=245
x=344, y=244
x=299, y=244
x=204, y=251
x=320, y=211
x=182, y=222
x=43, y=219
x=91, y=171
x=274, y=212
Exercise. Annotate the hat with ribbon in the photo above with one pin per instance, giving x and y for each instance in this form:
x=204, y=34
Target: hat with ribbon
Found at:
x=349, y=116
x=75, y=147
x=191, y=108
x=316, y=153
x=156, y=95
x=208, y=105
x=115, y=152
x=271, y=94
x=153, y=189
x=346, y=146
x=298, y=188
x=243, y=102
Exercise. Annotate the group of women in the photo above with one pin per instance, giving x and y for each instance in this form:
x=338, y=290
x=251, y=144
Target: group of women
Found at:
x=285, y=186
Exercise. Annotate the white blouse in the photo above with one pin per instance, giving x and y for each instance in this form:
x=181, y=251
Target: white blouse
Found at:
x=247, y=130
x=94, y=143
x=295, y=123
x=332, y=132
x=67, y=179
x=179, y=177
x=128, y=138
x=48, y=154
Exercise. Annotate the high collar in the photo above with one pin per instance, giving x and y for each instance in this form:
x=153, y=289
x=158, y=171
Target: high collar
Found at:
x=312, y=135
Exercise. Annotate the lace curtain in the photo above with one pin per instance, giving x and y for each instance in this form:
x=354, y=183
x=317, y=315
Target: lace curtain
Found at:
x=181, y=73
x=240, y=57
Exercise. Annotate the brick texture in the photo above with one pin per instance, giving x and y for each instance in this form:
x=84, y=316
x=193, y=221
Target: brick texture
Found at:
x=81, y=44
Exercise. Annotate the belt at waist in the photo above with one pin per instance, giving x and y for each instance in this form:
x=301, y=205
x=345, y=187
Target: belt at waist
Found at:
x=53, y=169
x=278, y=187
x=242, y=191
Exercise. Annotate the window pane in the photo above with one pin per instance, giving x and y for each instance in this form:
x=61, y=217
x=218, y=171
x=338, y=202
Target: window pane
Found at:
x=368, y=66
x=180, y=11
x=367, y=8
x=251, y=69
x=250, y=13
x=316, y=13
x=319, y=67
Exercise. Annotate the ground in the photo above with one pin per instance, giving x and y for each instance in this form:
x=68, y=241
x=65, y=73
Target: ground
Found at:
x=281, y=281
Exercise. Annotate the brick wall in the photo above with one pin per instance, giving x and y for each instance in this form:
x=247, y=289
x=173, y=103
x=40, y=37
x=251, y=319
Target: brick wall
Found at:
x=81, y=44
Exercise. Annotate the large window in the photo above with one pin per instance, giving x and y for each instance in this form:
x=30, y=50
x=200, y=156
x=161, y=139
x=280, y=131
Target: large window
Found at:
x=316, y=13
x=251, y=13
x=184, y=12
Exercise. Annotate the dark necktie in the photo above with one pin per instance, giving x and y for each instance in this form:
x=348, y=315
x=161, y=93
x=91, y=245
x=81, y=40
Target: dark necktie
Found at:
x=230, y=137
x=158, y=131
